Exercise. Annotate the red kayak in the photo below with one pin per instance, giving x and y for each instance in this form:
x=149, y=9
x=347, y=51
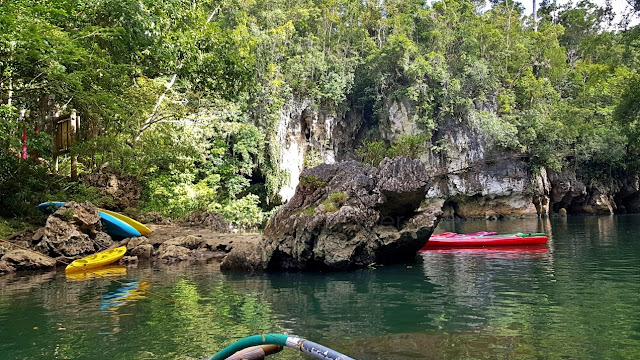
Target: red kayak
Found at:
x=484, y=239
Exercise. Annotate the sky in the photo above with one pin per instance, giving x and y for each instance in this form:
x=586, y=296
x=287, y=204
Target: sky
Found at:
x=619, y=7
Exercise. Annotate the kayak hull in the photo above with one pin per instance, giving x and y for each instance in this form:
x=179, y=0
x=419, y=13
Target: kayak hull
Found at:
x=111, y=224
x=97, y=260
x=141, y=228
x=473, y=240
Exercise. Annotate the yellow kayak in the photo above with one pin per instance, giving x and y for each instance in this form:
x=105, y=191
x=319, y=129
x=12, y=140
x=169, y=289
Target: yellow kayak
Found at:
x=97, y=260
x=105, y=271
x=143, y=230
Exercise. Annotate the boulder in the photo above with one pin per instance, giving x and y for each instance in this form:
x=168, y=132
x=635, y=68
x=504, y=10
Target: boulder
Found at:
x=174, y=253
x=61, y=238
x=143, y=251
x=73, y=230
x=244, y=256
x=132, y=243
x=207, y=219
x=25, y=260
x=346, y=216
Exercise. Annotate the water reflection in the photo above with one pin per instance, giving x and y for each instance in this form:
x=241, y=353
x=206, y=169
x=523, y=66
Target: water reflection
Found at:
x=576, y=299
x=102, y=272
x=129, y=291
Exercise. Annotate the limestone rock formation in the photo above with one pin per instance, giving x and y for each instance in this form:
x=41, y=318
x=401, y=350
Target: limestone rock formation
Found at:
x=346, y=215
x=125, y=190
x=73, y=230
x=207, y=219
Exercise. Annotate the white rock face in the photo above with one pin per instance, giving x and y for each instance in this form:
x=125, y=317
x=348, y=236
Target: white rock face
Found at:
x=471, y=179
x=304, y=135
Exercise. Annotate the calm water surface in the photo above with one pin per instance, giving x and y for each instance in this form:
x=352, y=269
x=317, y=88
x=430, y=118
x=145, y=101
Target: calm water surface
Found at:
x=576, y=298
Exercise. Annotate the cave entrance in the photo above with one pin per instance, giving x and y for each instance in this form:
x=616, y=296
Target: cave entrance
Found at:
x=450, y=210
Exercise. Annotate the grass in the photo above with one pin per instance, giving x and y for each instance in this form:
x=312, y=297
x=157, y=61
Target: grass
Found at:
x=334, y=201
x=10, y=226
x=312, y=181
x=308, y=211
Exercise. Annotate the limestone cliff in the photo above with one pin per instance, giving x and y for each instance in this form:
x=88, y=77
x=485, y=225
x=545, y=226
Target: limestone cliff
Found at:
x=476, y=181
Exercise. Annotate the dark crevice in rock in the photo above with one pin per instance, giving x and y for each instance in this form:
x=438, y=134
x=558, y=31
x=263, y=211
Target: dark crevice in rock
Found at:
x=450, y=210
x=398, y=208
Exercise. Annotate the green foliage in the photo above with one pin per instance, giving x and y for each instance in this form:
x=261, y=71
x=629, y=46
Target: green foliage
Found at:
x=372, y=152
x=312, y=158
x=339, y=197
x=67, y=214
x=412, y=146
x=498, y=130
x=10, y=226
x=312, y=181
x=243, y=213
x=187, y=96
x=334, y=201
x=308, y=211
x=627, y=113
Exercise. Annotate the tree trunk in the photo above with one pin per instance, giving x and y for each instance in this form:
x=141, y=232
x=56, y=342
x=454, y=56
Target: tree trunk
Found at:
x=74, y=167
x=149, y=120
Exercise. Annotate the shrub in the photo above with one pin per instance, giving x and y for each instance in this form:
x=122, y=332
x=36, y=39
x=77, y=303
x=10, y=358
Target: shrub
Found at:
x=335, y=201
x=372, y=152
x=312, y=181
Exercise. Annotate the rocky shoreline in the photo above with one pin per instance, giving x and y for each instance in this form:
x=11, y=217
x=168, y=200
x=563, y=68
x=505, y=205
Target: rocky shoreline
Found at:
x=343, y=216
x=74, y=231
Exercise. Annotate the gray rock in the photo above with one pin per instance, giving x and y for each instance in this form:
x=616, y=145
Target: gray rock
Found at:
x=143, y=251
x=132, y=243
x=245, y=256
x=346, y=216
x=63, y=238
x=174, y=253
x=26, y=260
x=73, y=230
x=83, y=215
x=128, y=260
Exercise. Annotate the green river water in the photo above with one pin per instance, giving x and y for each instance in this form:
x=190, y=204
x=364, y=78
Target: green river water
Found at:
x=576, y=298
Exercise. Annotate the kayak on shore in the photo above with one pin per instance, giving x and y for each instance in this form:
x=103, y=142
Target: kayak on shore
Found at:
x=449, y=239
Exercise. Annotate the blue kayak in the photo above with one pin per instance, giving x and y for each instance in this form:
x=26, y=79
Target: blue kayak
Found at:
x=110, y=224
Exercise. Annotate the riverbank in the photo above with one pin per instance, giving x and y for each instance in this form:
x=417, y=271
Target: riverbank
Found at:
x=54, y=246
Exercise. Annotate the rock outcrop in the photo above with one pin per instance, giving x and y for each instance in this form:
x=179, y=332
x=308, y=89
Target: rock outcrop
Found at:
x=124, y=190
x=207, y=219
x=73, y=230
x=345, y=216
x=25, y=260
x=482, y=180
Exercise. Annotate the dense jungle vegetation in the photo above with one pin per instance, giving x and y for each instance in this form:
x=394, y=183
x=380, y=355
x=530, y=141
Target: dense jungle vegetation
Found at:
x=185, y=96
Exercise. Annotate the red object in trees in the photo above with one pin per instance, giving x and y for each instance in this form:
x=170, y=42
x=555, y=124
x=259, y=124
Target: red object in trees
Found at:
x=24, y=142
